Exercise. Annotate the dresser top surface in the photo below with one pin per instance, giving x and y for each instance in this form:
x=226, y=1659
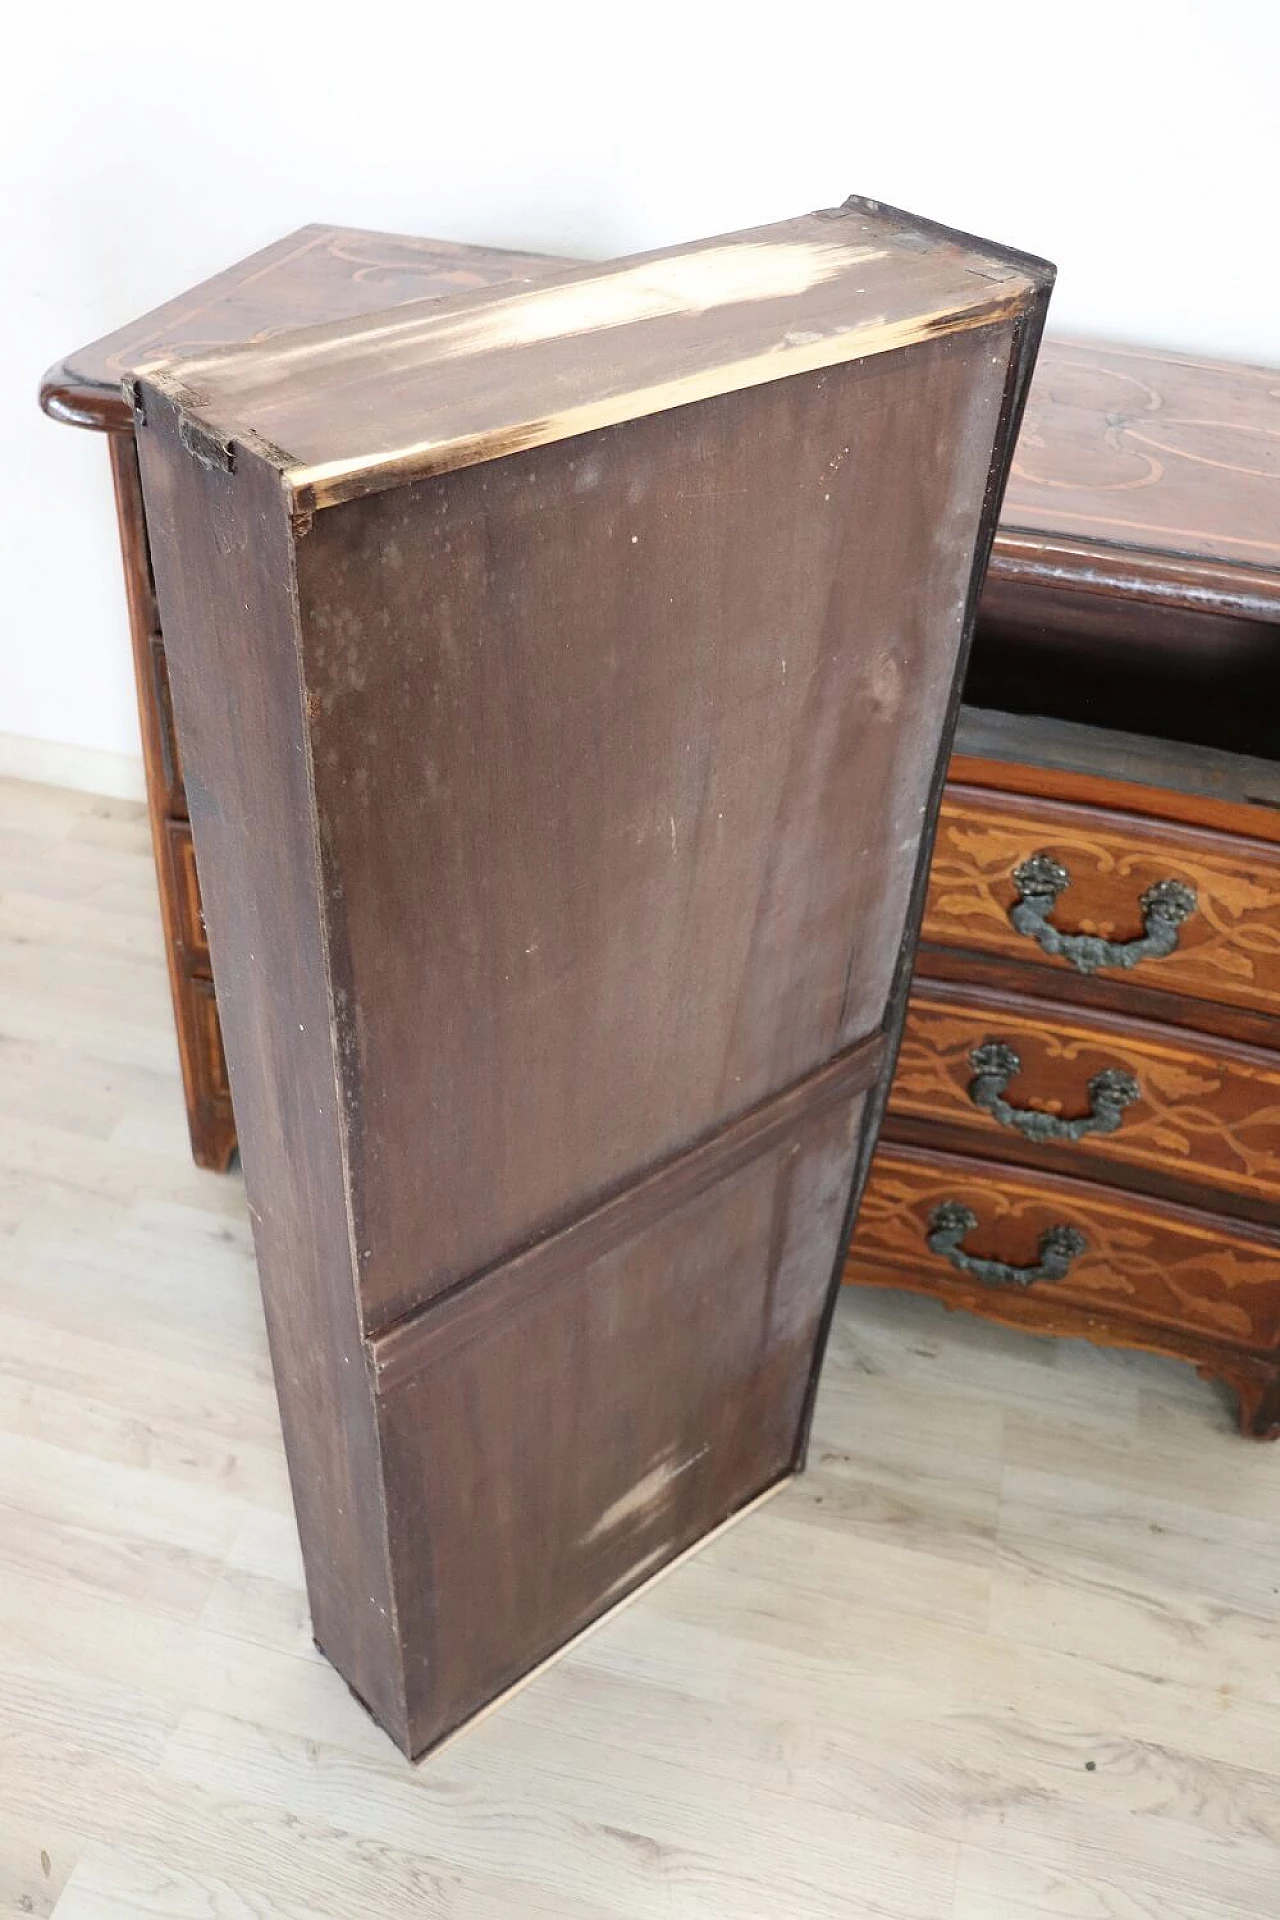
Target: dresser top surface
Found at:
x=318, y=273
x=1125, y=447
x=1126, y=453
x=353, y=406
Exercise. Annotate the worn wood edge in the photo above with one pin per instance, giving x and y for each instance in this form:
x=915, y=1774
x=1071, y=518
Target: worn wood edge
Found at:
x=1114, y=794
x=603, y=1620
x=1091, y=765
x=1095, y=816
x=309, y=489
x=1024, y=556
x=1039, y=271
x=992, y=277
x=76, y=402
x=356, y=476
x=395, y=1353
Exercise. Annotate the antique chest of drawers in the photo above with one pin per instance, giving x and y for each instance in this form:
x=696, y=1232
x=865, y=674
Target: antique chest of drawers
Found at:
x=1083, y=1135
x=1123, y=699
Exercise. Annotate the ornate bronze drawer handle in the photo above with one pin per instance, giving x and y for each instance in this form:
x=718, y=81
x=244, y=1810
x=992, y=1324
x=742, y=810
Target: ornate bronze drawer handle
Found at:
x=1040, y=880
x=995, y=1064
x=949, y=1223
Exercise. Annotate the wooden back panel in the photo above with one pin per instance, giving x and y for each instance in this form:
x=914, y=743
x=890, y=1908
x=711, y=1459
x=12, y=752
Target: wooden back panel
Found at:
x=601, y=881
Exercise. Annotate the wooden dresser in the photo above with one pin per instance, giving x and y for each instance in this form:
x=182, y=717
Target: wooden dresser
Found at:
x=1122, y=723
x=1083, y=1135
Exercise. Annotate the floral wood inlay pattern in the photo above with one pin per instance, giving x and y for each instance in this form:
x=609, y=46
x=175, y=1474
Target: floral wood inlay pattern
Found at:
x=1152, y=1262
x=1228, y=948
x=1210, y=1111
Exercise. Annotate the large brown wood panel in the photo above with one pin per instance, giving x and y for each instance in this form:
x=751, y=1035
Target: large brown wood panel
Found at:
x=620, y=1401
x=651, y=861
x=562, y=885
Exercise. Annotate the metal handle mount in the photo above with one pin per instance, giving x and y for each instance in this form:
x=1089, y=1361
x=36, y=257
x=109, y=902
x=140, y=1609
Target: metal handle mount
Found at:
x=995, y=1064
x=1041, y=879
x=950, y=1222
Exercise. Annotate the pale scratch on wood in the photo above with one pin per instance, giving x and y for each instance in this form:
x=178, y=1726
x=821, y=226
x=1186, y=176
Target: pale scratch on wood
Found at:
x=647, y=1492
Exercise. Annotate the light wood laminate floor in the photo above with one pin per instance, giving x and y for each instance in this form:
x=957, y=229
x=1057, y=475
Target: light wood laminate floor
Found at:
x=1008, y=1650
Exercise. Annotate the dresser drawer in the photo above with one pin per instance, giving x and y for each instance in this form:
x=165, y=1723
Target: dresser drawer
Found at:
x=170, y=758
x=978, y=1235
x=1205, y=906
x=1091, y=1094
x=191, y=937
x=211, y=1060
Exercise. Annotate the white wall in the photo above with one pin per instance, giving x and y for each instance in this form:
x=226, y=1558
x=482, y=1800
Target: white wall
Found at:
x=143, y=147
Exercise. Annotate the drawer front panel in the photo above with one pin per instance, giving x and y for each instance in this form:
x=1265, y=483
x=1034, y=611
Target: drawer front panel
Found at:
x=1140, y=1259
x=190, y=929
x=210, y=1058
x=1149, y=1097
x=1122, y=873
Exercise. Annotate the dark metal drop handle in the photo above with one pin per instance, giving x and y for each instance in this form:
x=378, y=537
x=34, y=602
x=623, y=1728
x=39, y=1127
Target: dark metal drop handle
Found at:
x=995, y=1064
x=949, y=1223
x=1040, y=880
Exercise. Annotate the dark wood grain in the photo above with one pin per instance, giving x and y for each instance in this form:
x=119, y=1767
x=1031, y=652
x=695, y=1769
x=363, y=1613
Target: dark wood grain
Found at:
x=561, y=893
x=621, y=1405
x=675, y=895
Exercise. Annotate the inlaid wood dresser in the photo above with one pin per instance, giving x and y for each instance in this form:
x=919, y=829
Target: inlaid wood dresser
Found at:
x=1083, y=1135
x=1121, y=730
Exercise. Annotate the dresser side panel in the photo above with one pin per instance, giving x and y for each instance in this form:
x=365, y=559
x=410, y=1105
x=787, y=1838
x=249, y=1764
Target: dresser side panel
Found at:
x=224, y=571
x=623, y=758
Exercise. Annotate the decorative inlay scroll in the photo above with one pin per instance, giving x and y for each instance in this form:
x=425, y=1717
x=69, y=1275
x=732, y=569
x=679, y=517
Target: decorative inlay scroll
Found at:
x=1227, y=951
x=1144, y=1260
